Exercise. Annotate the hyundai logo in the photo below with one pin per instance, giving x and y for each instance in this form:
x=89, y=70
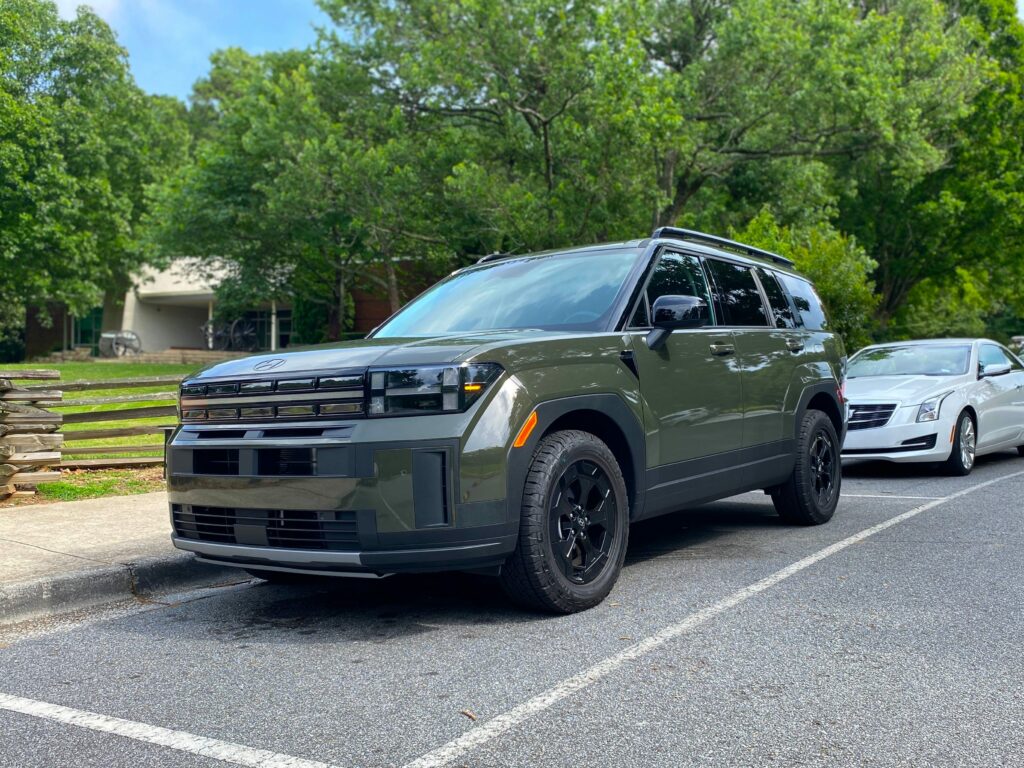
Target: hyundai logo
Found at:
x=268, y=365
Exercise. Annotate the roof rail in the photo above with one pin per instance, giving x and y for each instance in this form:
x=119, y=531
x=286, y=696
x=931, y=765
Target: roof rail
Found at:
x=493, y=257
x=690, y=235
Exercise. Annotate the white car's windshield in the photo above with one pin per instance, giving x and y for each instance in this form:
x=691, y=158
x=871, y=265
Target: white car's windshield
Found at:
x=911, y=360
x=575, y=291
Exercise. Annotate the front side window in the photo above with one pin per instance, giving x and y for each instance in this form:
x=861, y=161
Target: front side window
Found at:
x=571, y=292
x=808, y=305
x=676, y=274
x=990, y=354
x=777, y=299
x=737, y=294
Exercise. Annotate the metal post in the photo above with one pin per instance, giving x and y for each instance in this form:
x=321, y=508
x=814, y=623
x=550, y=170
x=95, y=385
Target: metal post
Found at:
x=273, y=326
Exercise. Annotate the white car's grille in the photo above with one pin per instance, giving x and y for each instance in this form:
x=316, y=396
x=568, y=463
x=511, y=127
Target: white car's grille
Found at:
x=870, y=416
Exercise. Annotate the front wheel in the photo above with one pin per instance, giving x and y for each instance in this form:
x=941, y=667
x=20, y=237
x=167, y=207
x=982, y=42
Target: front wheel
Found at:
x=965, y=442
x=573, y=529
x=810, y=495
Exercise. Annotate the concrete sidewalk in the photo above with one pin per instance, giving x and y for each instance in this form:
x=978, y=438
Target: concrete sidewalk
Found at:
x=57, y=558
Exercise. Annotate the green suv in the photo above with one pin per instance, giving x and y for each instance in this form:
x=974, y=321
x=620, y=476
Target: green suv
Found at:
x=517, y=417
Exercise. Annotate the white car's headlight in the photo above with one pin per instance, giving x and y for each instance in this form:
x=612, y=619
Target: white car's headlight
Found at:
x=929, y=410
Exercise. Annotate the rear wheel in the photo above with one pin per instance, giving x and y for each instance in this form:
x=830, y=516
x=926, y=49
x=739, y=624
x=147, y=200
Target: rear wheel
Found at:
x=573, y=529
x=810, y=494
x=965, y=442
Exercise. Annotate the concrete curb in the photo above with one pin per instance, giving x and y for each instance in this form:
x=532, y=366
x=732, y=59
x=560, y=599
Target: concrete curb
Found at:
x=79, y=590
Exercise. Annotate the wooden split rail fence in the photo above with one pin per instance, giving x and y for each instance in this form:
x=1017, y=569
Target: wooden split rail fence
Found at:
x=43, y=430
x=30, y=437
x=90, y=418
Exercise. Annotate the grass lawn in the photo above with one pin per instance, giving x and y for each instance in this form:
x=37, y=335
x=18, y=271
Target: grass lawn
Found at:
x=75, y=485
x=92, y=483
x=95, y=371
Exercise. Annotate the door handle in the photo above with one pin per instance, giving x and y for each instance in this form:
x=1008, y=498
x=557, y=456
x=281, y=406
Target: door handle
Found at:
x=794, y=345
x=722, y=349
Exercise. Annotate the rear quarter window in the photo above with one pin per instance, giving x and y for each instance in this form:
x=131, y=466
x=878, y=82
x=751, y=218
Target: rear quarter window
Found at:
x=808, y=305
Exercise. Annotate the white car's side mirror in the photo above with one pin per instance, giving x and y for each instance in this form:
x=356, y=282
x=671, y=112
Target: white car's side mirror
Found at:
x=993, y=369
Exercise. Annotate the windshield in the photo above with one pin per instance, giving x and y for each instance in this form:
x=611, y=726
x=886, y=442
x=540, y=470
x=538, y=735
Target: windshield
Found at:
x=575, y=292
x=911, y=360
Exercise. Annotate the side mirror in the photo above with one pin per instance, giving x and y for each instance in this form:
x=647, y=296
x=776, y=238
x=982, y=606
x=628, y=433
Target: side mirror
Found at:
x=671, y=313
x=993, y=369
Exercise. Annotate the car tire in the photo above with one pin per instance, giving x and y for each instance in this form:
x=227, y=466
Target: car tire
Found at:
x=284, y=577
x=961, y=461
x=810, y=494
x=573, y=529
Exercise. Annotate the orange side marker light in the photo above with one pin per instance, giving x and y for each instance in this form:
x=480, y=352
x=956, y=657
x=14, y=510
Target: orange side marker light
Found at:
x=524, y=433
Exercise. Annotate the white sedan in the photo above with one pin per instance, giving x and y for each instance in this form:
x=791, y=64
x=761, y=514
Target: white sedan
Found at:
x=941, y=400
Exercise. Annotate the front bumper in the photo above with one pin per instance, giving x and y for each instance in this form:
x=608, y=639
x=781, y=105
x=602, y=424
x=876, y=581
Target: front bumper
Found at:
x=337, y=501
x=901, y=439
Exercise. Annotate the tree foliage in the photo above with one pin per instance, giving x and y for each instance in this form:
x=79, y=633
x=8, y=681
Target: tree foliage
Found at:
x=878, y=143
x=79, y=144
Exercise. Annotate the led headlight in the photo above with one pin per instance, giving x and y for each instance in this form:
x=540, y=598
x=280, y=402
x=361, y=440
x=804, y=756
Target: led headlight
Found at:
x=410, y=391
x=929, y=410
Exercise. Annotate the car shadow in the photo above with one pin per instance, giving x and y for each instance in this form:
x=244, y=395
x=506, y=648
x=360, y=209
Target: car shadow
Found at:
x=348, y=610
x=867, y=470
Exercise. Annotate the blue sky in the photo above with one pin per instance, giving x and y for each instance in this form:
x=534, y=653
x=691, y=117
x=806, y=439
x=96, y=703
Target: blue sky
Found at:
x=169, y=42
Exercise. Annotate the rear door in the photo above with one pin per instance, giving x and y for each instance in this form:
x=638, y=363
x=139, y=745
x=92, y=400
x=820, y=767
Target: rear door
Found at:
x=690, y=385
x=762, y=350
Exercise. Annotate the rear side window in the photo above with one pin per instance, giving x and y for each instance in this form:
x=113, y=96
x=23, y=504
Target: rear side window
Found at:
x=737, y=294
x=808, y=305
x=777, y=300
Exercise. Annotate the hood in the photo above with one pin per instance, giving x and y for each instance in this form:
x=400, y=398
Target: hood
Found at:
x=906, y=390
x=361, y=354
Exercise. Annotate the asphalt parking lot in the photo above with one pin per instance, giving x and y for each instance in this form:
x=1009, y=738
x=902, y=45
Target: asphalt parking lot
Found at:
x=891, y=636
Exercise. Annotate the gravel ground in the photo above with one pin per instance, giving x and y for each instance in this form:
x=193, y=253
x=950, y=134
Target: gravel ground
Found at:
x=901, y=649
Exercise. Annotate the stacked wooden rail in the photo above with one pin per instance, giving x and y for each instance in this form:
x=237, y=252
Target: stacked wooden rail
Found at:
x=103, y=424
x=30, y=437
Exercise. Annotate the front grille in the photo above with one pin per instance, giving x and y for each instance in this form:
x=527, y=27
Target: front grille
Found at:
x=276, y=528
x=286, y=461
x=338, y=396
x=870, y=416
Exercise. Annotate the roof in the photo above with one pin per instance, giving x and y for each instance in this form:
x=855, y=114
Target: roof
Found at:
x=709, y=245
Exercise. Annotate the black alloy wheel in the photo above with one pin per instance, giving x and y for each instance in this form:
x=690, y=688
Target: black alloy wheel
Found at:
x=824, y=468
x=573, y=526
x=810, y=494
x=583, y=517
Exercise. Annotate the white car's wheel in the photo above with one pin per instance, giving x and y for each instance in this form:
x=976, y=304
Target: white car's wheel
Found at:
x=965, y=445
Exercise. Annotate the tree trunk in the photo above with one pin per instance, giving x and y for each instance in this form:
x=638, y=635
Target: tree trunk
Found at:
x=394, y=298
x=336, y=309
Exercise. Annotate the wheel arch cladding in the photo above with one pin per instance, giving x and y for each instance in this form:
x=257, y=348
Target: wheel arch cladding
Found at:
x=822, y=401
x=605, y=416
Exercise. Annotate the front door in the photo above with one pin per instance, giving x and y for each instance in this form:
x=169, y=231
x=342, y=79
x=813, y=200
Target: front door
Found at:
x=999, y=412
x=691, y=385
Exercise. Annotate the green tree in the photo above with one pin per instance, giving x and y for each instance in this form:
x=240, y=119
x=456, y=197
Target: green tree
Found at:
x=838, y=266
x=79, y=144
x=962, y=209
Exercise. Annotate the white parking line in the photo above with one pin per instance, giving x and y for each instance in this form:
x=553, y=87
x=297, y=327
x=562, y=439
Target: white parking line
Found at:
x=491, y=729
x=239, y=754
x=888, y=496
x=153, y=734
